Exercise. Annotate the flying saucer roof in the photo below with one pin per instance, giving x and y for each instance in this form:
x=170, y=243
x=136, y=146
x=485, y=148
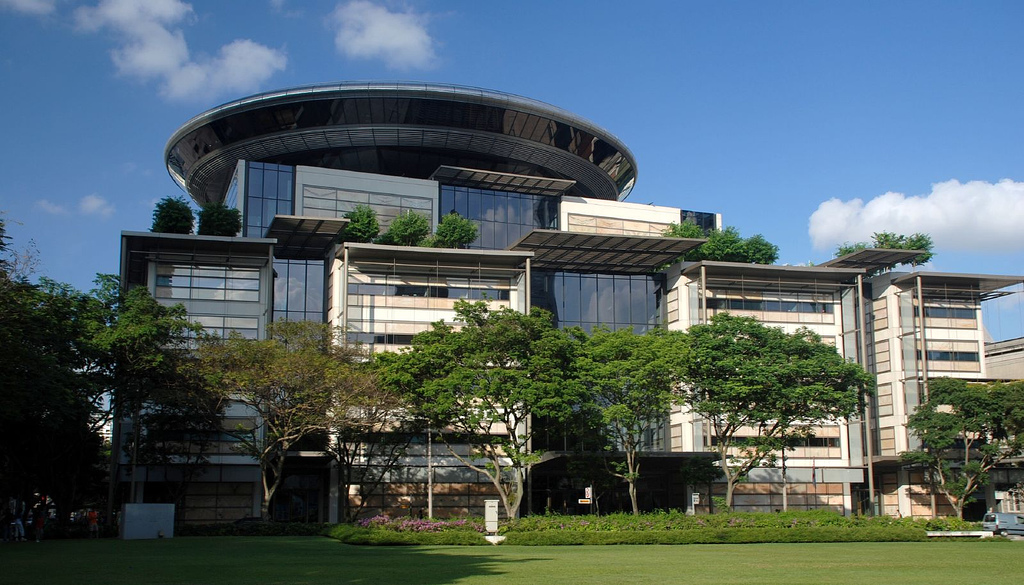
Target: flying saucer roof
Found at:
x=405, y=129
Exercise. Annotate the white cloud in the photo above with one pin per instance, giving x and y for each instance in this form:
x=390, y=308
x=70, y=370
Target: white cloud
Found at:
x=976, y=215
x=152, y=47
x=368, y=31
x=51, y=208
x=95, y=205
x=37, y=7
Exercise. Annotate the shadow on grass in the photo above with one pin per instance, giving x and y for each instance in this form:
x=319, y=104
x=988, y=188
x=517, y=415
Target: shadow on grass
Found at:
x=245, y=560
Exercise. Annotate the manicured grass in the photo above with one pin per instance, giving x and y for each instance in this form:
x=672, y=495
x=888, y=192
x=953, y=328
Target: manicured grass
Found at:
x=295, y=560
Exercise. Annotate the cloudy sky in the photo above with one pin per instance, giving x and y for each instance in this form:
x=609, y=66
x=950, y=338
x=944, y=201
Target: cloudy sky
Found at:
x=812, y=123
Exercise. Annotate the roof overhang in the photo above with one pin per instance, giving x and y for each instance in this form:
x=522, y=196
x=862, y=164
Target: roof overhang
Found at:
x=446, y=259
x=736, y=274
x=602, y=253
x=140, y=248
x=462, y=177
x=872, y=259
x=304, y=237
x=953, y=285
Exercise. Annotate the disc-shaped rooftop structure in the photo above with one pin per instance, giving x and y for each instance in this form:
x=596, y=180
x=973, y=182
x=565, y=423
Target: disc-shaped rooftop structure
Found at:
x=402, y=129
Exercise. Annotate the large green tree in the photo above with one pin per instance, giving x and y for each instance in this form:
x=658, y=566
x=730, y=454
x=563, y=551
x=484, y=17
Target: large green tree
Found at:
x=217, y=219
x=724, y=245
x=759, y=388
x=290, y=383
x=966, y=429
x=51, y=406
x=368, y=440
x=144, y=346
x=893, y=241
x=172, y=215
x=454, y=231
x=408, y=229
x=630, y=381
x=486, y=381
x=362, y=224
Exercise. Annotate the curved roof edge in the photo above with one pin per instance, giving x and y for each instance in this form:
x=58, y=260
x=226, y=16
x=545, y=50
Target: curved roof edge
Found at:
x=452, y=92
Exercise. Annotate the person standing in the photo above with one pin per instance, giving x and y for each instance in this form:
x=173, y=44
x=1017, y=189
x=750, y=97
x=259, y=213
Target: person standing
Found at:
x=18, y=526
x=94, y=523
x=39, y=522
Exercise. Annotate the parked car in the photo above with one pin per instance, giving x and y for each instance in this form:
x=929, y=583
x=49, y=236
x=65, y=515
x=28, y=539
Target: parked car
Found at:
x=1003, y=523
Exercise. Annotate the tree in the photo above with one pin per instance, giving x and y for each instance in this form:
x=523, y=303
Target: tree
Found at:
x=892, y=241
x=744, y=377
x=630, y=382
x=362, y=224
x=697, y=472
x=966, y=429
x=172, y=215
x=454, y=231
x=486, y=382
x=217, y=219
x=182, y=423
x=290, y=382
x=368, y=440
x=50, y=395
x=724, y=245
x=144, y=345
x=408, y=229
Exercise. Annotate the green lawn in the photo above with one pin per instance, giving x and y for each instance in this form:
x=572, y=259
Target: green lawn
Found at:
x=293, y=560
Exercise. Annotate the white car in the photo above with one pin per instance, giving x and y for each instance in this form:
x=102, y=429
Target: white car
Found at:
x=1002, y=523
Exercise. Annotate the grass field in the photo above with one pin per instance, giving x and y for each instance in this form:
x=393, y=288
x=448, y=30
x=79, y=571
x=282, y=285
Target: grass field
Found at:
x=300, y=560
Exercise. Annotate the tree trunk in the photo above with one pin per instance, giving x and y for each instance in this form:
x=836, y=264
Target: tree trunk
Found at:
x=269, y=489
x=631, y=477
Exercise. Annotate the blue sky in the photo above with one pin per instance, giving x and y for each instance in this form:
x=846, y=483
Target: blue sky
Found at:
x=812, y=123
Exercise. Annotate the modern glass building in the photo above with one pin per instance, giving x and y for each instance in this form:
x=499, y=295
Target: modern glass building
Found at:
x=547, y=192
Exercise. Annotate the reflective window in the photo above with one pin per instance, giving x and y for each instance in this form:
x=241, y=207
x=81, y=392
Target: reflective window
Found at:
x=502, y=217
x=951, y=356
x=948, y=312
x=299, y=290
x=777, y=306
x=704, y=220
x=269, y=191
x=384, y=310
x=615, y=301
x=207, y=283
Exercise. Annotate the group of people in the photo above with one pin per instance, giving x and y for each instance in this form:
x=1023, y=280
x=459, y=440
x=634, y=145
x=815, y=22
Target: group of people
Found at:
x=16, y=516
x=21, y=522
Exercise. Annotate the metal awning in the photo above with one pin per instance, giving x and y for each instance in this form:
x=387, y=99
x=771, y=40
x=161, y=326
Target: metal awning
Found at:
x=304, y=237
x=140, y=248
x=602, y=253
x=742, y=275
x=959, y=286
x=873, y=259
x=463, y=177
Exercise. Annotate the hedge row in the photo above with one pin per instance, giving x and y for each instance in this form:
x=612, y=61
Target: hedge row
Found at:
x=720, y=536
x=677, y=520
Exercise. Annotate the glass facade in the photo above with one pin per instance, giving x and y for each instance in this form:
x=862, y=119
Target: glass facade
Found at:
x=615, y=301
x=777, y=306
x=386, y=309
x=209, y=284
x=704, y=220
x=269, y=191
x=502, y=217
x=298, y=284
x=299, y=290
x=217, y=283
